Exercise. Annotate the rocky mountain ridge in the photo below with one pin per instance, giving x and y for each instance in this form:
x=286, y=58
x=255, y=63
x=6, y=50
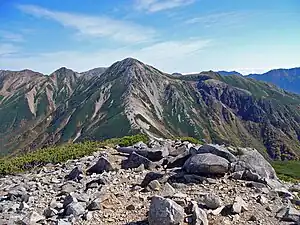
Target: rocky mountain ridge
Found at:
x=131, y=97
x=162, y=182
x=287, y=79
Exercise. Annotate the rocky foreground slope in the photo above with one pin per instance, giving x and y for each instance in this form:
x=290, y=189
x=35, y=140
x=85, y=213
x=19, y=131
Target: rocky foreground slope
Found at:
x=164, y=182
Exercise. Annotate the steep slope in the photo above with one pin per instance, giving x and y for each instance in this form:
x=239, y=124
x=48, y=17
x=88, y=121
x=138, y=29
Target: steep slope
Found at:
x=27, y=99
x=288, y=79
x=131, y=97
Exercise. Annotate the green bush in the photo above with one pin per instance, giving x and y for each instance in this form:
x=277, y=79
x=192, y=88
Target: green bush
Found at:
x=59, y=154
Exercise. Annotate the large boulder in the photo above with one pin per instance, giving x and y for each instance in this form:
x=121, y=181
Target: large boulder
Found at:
x=102, y=165
x=253, y=165
x=177, y=161
x=206, y=164
x=164, y=211
x=153, y=154
x=217, y=150
x=135, y=160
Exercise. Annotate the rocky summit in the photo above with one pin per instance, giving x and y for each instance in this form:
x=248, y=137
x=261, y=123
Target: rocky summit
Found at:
x=130, y=97
x=163, y=182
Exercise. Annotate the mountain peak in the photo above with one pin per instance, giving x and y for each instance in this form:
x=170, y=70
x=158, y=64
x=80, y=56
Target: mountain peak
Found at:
x=130, y=62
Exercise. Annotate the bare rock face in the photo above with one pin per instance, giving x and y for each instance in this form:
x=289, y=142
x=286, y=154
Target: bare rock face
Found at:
x=206, y=163
x=165, y=212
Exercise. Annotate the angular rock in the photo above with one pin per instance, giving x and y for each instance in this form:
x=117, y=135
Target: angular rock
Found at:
x=178, y=161
x=153, y=154
x=167, y=190
x=69, y=199
x=292, y=215
x=164, y=211
x=199, y=216
x=49, y=212
x=154, y=185
x=217, y=150
x=212, y=201
x=92, y=183
x=206, y=163
x=252, y=160
x=75, y=174
x=95, y=204
x=135, y=160
x=239, y=205
x=102, y=165
x=150, y=177
x=75, y=208
x=183, y=149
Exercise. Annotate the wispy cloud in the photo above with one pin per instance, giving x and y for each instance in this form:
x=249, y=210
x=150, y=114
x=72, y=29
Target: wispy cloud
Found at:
x=223, y=18
x=94, y=26
x=160, y=5
x=7, y=49
x=10, y=36
x=167, y=56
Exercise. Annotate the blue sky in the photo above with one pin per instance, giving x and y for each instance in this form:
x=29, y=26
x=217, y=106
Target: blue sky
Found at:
x=172, y=35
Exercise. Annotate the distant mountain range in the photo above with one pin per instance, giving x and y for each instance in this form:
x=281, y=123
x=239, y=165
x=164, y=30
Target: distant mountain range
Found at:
x=288, y=79
x=131, y=97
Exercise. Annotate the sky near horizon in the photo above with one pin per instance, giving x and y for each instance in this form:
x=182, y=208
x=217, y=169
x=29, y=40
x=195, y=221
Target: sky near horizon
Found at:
x=249, y=36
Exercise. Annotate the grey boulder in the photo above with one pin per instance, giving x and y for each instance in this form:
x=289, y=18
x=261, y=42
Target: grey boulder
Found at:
x=217, y=150
x=206, y=163
x=102, y=165
x=135, y=160
x=153, y=154
x=199, y=216
x=212, y=201
x=164, y=211
x=251, y=160
x=75, y=208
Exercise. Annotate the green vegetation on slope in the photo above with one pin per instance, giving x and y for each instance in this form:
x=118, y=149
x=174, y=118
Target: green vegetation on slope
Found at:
x=58, y=154
x=287, y=170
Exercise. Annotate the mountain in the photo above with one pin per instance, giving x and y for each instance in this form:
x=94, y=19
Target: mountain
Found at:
x=228, y=73
x=288, y=79
x=131, y=97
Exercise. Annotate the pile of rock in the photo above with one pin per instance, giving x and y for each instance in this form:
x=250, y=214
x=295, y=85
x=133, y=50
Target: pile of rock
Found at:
x=167, y=183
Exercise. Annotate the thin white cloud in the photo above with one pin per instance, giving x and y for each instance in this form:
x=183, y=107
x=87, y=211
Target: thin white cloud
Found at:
x=94, y=26
x=7, y=49
x=10, y=36
x=223, y=18
x=168, y=56
x=160, y=5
